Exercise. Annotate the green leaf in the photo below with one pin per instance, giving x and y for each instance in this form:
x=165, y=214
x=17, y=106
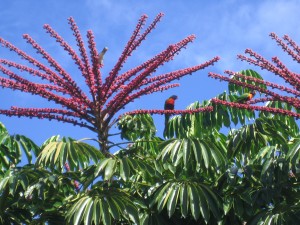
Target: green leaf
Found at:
x=124, y=169
x=55, y=153
x=203, y=204
x=105, y=215
x=233, y=88
x=266, y=165
x=294, y=151
x=136, y=126
x=184, y=200
x=160, y=196
x=186, y=151
x=114, y=209
x=109, y=169
x=205, y=154
x=88, y=213
x=194, y=201
x=96, y=211
x=212, y=201
x=133, y=213
x=100, y=167
x=79, y=209
x=195, y=145
x=60, y=150
x=172, y=201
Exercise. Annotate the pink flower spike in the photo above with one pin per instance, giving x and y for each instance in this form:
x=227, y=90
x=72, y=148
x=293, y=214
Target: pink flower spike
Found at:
x=108, y=94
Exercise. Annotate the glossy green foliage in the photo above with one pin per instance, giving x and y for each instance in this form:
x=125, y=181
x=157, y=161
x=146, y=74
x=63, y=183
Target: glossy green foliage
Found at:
x=136, y=126
x=188, y=151
x=294, y=151
x=144, y=146
x=193, y=198
x=236, y=89
x=102, y=207
x=289, y=122
x=263, y=132
x=124, y=168
x=199, y=124
x=55, y=153
x=206, y=123
x=283, y=214
x=228, y=166
x=13, y=147
x=32, y=195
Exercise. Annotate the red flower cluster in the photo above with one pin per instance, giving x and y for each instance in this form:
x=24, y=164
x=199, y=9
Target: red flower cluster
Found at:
x=173, y=112
x=107, y=95
x=287, y=95
x=257, y=108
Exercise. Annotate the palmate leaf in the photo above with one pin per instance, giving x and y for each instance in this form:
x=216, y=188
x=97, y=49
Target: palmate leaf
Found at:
x=279, y=215
x=144, y=147
x=249, y=139
x=288, y=121
x=199, y=124
x=192, y=151
x=55, y=153
x=51, y=189
x=44, y=191
x=263, y=183
x=241, y=115
x=202, y=124
x=136, y=126
x=124, y=168
x=233, y=88
x=12, y=147
x=221, y=115
x=192, y=198
x=27, y=178
x=179, y=126
x=102, y=206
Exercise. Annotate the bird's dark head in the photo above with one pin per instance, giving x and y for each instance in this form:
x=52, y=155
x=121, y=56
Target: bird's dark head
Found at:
x=253, y=92
x=174, y=97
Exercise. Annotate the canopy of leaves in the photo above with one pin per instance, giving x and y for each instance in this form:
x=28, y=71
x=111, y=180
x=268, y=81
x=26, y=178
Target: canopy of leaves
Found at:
x=227, y=166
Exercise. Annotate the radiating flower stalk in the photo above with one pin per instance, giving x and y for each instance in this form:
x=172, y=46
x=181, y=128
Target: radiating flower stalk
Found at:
x=289, y=95
x=107, y=95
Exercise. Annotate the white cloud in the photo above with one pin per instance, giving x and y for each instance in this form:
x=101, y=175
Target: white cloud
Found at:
x=228, y=28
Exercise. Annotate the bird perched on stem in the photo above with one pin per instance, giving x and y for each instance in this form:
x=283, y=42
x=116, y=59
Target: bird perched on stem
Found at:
x=169, y=105
x=101, y=56
x=246, y=97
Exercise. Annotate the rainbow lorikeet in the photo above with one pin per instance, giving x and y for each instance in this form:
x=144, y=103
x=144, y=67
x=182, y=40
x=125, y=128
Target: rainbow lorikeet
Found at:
x=246, y=97
x=169, y=105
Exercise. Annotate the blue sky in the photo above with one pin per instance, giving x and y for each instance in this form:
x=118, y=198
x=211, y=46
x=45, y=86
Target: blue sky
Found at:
x=223, y=28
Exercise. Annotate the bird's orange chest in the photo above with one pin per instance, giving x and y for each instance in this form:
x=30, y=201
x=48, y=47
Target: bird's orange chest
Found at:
x=170, y=101
x=250, y=96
